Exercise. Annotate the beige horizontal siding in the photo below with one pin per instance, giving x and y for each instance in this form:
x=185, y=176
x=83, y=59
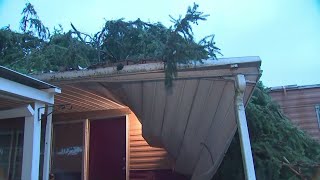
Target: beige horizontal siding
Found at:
x=143, y=156
x=299, y=106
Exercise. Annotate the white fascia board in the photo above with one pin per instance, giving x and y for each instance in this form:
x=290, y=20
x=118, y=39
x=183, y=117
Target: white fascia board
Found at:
x=17, y=112
x=52, y=90
x=142, y=68
x=15, y=88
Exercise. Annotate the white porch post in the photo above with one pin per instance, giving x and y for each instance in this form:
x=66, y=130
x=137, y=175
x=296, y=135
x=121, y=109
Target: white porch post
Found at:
x=47, y=146
x=31, y=144
x=243, y=129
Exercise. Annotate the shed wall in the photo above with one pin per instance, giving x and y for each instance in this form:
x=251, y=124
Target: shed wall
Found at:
x=299, y=106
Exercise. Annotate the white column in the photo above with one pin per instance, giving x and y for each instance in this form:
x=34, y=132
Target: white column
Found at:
x=31, y=145
x=47, y=146
x=127, y=146
x=243, y=129
x=85, y=155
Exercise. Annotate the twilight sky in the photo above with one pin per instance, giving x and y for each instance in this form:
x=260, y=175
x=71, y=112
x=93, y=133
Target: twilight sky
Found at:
x=284, y=33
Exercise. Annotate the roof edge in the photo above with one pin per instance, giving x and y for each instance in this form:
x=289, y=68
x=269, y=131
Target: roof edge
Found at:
x=150, y=67
x=18, y=77
x=293, y=87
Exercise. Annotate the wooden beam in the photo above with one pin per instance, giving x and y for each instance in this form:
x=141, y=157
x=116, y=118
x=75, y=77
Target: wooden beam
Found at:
x=15, y=88
x=91, y=115
x=17, y=112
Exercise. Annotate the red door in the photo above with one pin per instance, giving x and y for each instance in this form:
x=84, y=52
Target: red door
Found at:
x=107, y=150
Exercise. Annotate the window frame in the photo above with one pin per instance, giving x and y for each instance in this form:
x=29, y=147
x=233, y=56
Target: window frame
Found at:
x=317, y=108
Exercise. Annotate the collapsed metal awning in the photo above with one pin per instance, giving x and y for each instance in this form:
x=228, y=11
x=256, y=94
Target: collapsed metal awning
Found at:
x=194, y=120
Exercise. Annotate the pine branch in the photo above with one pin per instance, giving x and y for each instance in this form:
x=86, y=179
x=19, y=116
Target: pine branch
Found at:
x=78, y=33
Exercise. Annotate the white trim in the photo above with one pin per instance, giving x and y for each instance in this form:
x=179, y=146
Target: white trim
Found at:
x=17, y=112
x=52, y=90
x=249, y=171
x=86, y=145
x=294, y=87
x=28, y=78
x=15, y=88
x=11, y=150
x=149, y=67
x=47, y=145
x=31, y=145
x=127, y=147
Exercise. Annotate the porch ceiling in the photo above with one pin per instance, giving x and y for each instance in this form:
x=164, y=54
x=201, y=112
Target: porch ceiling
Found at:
x=82, y=100
x=9, y=101
x=17, y=90
x=194, y=120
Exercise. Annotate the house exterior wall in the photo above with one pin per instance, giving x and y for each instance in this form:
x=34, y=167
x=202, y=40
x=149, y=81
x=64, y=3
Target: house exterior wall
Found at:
x=145, y=162
x=143, y=156
x=299, y=105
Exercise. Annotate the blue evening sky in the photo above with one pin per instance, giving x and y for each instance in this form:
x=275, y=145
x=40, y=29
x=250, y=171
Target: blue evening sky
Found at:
x=284, y=33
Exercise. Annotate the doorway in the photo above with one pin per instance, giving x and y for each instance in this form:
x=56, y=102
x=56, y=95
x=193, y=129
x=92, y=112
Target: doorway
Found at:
x=107, y=149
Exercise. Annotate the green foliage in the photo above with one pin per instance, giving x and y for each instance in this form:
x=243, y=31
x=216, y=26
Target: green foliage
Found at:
x=280, y=150
x=29, y=54
x=36, y=51
x=31, y=23
x=118, y=41
x=133, y=40
x=64, y=52
x=18, y=50
x=138, y=40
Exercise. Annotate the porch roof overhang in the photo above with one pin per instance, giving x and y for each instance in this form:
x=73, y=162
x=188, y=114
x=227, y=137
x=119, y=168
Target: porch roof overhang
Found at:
x=194, y=120
x=17, y=90
x=24, y=97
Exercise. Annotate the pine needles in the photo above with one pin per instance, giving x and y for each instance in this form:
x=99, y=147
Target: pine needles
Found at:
x=280, y=150
x=118, y=41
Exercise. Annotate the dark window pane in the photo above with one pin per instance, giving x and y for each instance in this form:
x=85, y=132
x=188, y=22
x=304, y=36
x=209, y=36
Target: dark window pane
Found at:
x=11, y=148
x=67, y=151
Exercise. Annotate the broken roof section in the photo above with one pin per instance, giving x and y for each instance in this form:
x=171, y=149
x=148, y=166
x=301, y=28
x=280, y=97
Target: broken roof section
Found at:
x=194, y=120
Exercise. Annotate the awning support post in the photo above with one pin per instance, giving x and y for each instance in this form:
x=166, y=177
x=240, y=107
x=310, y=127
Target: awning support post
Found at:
x=47, y=145
x=249, y=171
x=31, y=145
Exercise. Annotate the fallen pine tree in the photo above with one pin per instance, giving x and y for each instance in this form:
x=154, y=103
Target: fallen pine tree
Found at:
x=280, y=150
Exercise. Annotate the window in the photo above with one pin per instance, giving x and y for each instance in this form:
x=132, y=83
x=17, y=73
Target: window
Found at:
x=11, y=148
x=67, y=151
x=318, y=114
